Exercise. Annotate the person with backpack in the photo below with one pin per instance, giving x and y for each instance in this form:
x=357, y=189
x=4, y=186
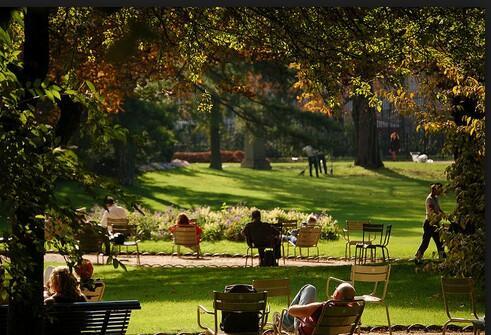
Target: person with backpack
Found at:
x=262, y=235
x=304, y=311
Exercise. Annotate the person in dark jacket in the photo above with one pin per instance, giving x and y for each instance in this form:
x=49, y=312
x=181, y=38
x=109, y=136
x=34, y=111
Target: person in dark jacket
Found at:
x=262, y=235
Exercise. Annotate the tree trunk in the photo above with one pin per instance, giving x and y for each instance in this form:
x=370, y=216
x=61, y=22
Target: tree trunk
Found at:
x=365, y=142
x=215, y=121
x=126, y=157
x=26, y=249
x=254, y=152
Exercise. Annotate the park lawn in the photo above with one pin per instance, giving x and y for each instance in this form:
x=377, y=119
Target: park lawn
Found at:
x=170, y=296
x=394, y=195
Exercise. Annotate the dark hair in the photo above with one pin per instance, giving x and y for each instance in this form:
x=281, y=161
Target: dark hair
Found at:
x=109, y=200
x=256, y=214
x=182, y=219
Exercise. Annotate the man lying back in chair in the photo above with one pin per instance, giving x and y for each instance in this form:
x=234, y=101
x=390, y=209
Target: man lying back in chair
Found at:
x=304, y=312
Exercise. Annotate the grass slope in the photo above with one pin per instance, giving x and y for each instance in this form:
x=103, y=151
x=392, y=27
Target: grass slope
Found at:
x=170, y=296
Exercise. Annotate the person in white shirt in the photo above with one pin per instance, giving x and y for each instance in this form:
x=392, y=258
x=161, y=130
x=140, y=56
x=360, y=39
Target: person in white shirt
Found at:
x=112, y=211
x=313, y=160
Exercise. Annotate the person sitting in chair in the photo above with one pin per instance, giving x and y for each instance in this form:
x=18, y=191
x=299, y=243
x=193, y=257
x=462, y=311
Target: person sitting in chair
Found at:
x=262, y=235
x=304, y=311
x=292, y=238
x=111, y=211
x=184, y=221
x=62, y=287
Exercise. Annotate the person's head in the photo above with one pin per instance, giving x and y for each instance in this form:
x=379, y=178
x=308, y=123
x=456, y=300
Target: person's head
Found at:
x=344, y=291
x=109, y=201
x=436, y=188
x=312, y=219
x=256, y=215
x=182, y=219
x=63, y=282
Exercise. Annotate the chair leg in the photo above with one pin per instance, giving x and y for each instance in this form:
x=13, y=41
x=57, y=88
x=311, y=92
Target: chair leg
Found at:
x=318, y=258
x=346, y=250
x=137, y=255
x=444, y=329
x=283, y=253
x=388, y=318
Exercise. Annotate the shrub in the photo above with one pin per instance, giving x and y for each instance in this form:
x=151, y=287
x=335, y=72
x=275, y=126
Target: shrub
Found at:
x=226, y=223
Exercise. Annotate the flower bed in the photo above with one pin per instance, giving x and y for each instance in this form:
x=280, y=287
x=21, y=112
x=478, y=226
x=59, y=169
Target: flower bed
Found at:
x=224, y=224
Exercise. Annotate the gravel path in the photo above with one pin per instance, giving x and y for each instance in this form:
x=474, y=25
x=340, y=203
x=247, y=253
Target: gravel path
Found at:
x=206, y=261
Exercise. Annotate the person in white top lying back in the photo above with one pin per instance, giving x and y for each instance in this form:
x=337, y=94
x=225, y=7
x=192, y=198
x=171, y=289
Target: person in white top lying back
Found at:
x=112, y=211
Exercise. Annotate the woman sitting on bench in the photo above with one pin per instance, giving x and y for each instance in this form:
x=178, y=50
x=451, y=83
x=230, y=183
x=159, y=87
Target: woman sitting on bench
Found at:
x=62, y=287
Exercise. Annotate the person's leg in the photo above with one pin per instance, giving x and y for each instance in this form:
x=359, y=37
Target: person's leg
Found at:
x=277, y=248
x=306, y=295
x=261, y=255
x=316, y=165
x=311, y=162
x=439, y=245
x=427, y=233
x=324, y=163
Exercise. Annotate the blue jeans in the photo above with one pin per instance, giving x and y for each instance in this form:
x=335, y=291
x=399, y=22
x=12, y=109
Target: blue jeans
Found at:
x=306, y=295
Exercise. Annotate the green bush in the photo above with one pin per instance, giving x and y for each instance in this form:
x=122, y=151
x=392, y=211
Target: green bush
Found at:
x=226, y=223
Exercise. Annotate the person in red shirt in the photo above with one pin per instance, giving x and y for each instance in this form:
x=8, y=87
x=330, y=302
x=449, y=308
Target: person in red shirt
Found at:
x=184, y=221
x=304, y=311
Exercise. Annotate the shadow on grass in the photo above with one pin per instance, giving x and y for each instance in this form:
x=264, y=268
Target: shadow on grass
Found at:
x=406, y=289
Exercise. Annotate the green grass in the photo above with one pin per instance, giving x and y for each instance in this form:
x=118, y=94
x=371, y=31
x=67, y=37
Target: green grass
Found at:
x=394, y=194
x=169, y=296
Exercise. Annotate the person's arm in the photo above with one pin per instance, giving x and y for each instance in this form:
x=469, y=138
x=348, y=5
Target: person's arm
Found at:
x=104, y=218
x=303, y=311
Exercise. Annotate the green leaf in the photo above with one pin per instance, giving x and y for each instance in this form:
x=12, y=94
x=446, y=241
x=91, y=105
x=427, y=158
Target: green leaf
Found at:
x=91, y=86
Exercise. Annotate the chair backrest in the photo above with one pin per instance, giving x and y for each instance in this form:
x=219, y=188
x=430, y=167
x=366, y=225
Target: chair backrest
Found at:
x=388, y=230
x=101, y=317
x=91, y=238
x=47, y=273
x=185, y=235
x=240, y=302
x=97, y=293
x=372, y=232
x=111, y=221
x=354, y=226
x=308, y=236
x=339, y=317
x=125, y=229
x=460, y=288
x=274, y=287
x=371, y=274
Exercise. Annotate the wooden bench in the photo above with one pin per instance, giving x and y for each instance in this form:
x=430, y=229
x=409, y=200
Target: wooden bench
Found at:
x=103, y=317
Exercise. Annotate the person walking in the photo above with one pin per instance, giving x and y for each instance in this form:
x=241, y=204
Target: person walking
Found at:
x=434, y=215
x=394, y=145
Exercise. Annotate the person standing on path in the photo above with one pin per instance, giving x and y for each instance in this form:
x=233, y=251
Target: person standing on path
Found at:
x=434, y=215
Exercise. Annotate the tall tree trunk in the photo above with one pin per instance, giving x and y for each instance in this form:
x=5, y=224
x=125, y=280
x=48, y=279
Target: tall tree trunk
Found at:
x=215, y=122
x=366, y=139
x=126, y=157
x=254, y=152
x=26, y=250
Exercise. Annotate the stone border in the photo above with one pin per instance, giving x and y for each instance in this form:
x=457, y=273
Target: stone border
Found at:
x=225, y=255
x=414, y=328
